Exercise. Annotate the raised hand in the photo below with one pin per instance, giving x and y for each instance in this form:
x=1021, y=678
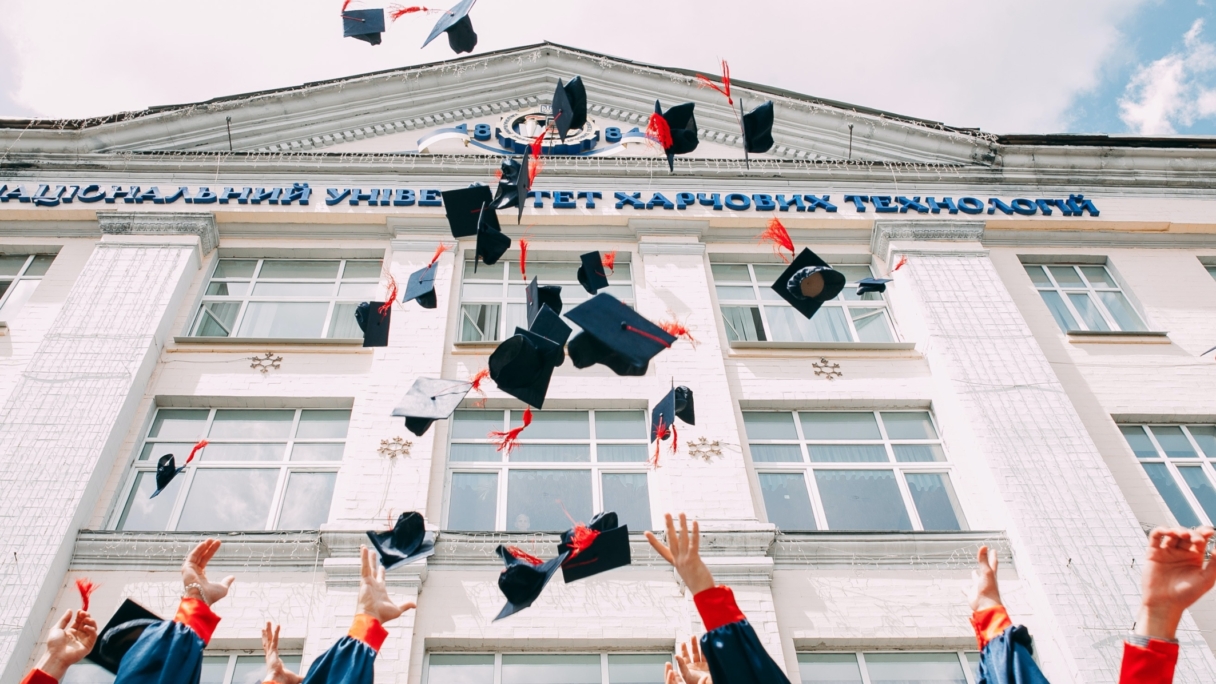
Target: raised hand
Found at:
x=194, y=572
x=275, y=670
x=693, y=667
x=671, y=676
x=984, y=590
x=683, y=551
x=373, y=595
x=70, y=640
x=1175, y=576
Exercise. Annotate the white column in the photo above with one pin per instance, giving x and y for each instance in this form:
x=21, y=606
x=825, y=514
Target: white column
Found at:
x=61, y=426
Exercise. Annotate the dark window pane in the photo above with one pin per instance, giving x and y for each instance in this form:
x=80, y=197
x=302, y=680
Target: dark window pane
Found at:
x=832, y=426
x=363, y=269
x=144, y=514
x=1141, y=445
x=637, y=669
x=215, y=451
x=915, y=668
x=786, y=500
x=180, y=450
x=1172, y=493
x=479, y=322
x=1205, y=436
x=546, y=500
x=306, y=503
x=85, y=672
x=235, y=268
x=252, y=424
x=228, y=500
x=461, y=669
x=179, y=424
x=915, y=453
x=40, y=264
x=743, y=323
x=474, y=502
x=848, y=453
x=1201, y=487
x=769, y=425
x=1173, y=442
x=475, y=452
x=629, y=496
x=301, y=320
x=555, y=424
x=550, y=669
x=829, y=668
x=215, y=669
x=299, y=268
x=323, y=424
x=909, y=425
x=935, y=501
x=620, y=425
x=862, y=500
x=551, y=453
x=1059, y=311
x=317, y=452
x=776, y=453
x=475, y=424
x=621, y=453
x=1037, y=276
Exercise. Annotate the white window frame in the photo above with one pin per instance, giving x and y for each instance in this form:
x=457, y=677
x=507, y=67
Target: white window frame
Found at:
x=807, y=467
x=765, y=297
x=1090, y=290
x=14, y=282
x=1211, y=269
x=285, y=467
x=332, y=299
x=426, y=670
x=513, y=292
x=504, y=465
x=232, y=656
x=1201, y=459
x=968, y=670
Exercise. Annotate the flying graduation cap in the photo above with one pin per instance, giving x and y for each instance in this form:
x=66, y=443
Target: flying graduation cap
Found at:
x=524, y=578
x=459, y=27
x=120, y=634
x=675, y=404
x=599, y=546
x=421, y=285
x=872, y=285
x=373, y=319
x=541, y=296
x=758, y=128
x=616, y=336
x=365, y=24
x=470, y=211
x=591, y=275
x=514, y=186
x=675, y=130
x=522, y=366
x=429, y=400
x=166, y=468
x=569, y=106
x=808, y=282
x=407, y=542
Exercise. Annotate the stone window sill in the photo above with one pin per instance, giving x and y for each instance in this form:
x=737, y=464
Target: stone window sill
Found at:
x=263, y=341
x=820, y=347
x=475, y=348
x=1118, y=337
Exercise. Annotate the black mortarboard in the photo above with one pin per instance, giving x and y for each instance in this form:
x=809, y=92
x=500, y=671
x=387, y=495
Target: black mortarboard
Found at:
x=675, y=404
x=591, y=274
x=429, y=400
x=464, y=209
x=808, y=283
x=364, y=24
x=522, y=366
x=551, y=329
x=615, y=335
x=166, y=470
x=407, y=542
x=456, y=23
x=543, y=295
x=492, y=243
x=522, y=582
x=683, y=129
x=609, y=549
x=569, y=106
x=758, y=129
x=373, y=323
x=576, y=92
x=120, y=634
x=514, y=185
x=421, y=287
x=872, y=285
x=684, y=407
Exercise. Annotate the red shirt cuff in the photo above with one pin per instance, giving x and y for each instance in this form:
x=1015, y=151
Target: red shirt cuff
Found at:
x=989, y=623
x=368, y=629
x=37, y=676
x=197, y=615
x=717, y=607
x=1153, y=664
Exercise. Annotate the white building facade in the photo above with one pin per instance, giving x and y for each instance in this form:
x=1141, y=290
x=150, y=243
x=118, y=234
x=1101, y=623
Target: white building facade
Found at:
x=1033, y=378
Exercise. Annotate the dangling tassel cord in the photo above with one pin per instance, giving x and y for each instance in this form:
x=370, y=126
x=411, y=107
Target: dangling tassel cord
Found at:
x=506, y=441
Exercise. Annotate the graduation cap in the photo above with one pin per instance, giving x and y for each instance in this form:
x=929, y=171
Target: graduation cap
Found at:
x=364, y=24
x=524, y=578
x=469, y=208
x=675, y=404
x=523, y=364
x=569, y=106
x=758, y=128
x=407, y=542
x=166, y=468
x=429, y=400
x=591, y=273
x=492, y=243
x=598, y=547
x=459, y=27
x=543, y=295
x=808, y=282
x=616, y=336
x=872, y=285
x=675, y=130
x=421, y=285
x=120, y=634
x=514, y=186
x=373, y=319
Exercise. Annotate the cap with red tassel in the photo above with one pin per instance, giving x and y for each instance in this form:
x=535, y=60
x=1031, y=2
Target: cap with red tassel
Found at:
x=86, y=589
x=903, y=261
x=597, y=547
x=523, y=258
x=506, y=441
x=677, y=329
x=397, y=11
x=704, y=82
x=779, y=236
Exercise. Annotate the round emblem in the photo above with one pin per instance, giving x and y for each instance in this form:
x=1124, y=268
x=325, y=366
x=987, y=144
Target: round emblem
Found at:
x=518, y=129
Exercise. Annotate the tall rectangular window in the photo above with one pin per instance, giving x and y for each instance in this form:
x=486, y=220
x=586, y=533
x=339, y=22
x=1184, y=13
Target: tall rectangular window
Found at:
x=568, y=465
x=19, y=277
x=1084, y=297
x=947, y=667
x=287, y=298
x=1179, y=460
x=493, y=301
x=527, y=668
x=217, y=668
x=753, y=312
x=263, y=469
x=853, y=470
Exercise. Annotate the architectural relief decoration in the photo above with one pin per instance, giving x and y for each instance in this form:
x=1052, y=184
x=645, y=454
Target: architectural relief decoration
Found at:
x=201, y=224
x=265, y=362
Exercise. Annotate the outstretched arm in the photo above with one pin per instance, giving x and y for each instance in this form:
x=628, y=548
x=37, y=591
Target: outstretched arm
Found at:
x=988, y=615
x=70, y=640
x=200, y=593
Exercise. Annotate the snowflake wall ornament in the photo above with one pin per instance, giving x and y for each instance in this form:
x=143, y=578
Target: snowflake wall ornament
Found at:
x=704, y=449
x=392, y=448
x=827, y=369
x=265, y=362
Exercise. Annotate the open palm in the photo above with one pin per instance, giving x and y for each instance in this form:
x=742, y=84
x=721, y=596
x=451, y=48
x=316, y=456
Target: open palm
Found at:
x=194, y=571
x=1175, y=575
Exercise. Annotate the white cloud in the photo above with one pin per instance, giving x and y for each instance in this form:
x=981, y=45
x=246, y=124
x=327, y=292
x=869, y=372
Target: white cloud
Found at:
x=1172, y=91
x=1004, y=65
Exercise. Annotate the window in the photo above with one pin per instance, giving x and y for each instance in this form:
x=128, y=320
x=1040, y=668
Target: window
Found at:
x=753, y=312
x=493, y=289
x=1179, y=461
x=568, y=465
x=1084, y=298
x=949, y=667
x=872, y=470
x=19, y=277
x=286, y=298
x=524, y=668
x=217, y=669
x=263, y=469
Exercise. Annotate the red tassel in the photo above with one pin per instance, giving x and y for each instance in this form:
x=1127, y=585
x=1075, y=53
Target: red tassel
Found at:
x=643, y=333
x=506, y=441
x=660, y=434
x=524, y=556
x=538, y=143
x=399, y=11
x=442, y=248
x=609, y=260
x=706, y=83
x=903, y=259
x=195, y=450
x=523, y=258
x=581, y=540
x=345, y=5
x=392, y=296
x=675, y=439
x=478, y=378
x=779, y=236
x=498, y=174
x=534, y=167
x=86, y=589
x=659, y=131
x=676, y=329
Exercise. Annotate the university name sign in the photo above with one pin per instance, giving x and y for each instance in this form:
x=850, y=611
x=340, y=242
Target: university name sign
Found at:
x=44, y=195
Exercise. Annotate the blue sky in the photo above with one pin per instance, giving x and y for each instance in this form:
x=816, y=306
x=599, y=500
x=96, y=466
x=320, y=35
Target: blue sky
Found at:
x=1007, y=66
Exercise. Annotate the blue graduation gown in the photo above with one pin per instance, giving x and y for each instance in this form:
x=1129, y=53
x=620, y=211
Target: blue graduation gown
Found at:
x=1007, y=660
x=736, y=656
x=349, y=661
x=166, y=653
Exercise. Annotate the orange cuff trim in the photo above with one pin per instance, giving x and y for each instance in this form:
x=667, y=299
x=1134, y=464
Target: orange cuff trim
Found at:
x=197, y=615
x=989, y=624
x=1152, y=665
x=37, y=676
x=718, y=608
x=368, y=629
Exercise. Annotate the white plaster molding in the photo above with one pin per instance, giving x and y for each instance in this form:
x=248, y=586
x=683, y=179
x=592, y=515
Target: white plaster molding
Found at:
x=880, y=549
x=694, y=249
x=886, y=232
x=130, y=223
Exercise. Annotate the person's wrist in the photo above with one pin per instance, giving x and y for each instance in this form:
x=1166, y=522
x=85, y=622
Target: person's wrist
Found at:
x=986, y=602
x=699, y=579
x=54, y=666
x=195, y=591
x=1158, y=622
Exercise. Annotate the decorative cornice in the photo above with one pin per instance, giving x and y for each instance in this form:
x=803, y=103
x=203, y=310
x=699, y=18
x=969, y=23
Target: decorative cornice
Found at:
x=200, y=224
x=883, y=549
x=923, y=231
